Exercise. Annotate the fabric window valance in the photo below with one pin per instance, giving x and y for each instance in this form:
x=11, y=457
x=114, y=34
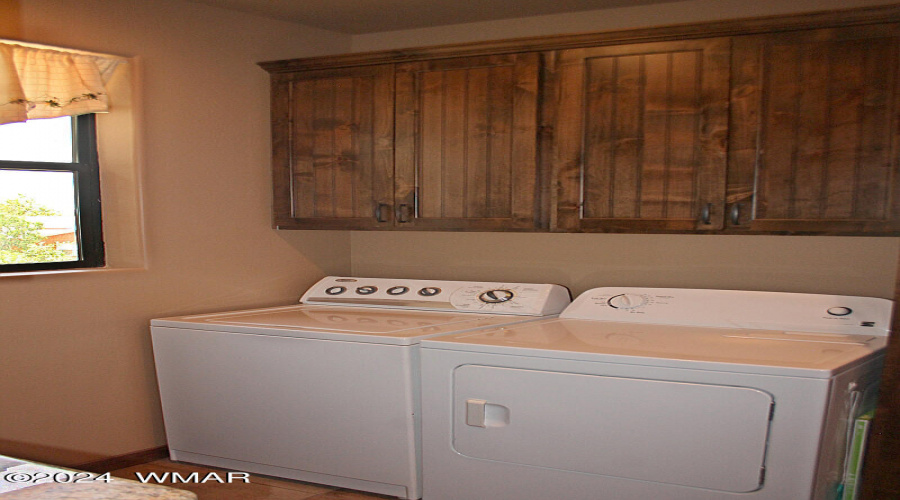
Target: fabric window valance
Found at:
x=46, y=83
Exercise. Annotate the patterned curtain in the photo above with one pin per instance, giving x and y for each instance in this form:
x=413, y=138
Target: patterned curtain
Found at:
x=46, y=83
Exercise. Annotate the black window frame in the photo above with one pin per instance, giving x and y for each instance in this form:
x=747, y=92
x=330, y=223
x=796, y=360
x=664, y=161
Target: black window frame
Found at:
x=89, y=225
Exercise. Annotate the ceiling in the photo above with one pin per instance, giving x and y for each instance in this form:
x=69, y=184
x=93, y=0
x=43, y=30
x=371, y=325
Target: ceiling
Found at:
x=372, y=16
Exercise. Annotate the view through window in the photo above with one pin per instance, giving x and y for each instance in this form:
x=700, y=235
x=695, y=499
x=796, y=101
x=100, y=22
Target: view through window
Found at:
x=47, y=195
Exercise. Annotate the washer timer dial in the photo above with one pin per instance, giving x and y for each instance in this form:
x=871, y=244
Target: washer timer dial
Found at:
x=496, y=296
x=627, y=301
x=499, y=298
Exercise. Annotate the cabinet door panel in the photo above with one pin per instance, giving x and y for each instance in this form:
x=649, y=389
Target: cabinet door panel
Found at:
x=639, y=138
x=338, y=125
x=467, y=143
x=822, y=105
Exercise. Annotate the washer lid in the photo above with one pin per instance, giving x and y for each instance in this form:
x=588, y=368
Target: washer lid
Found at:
x=381, y=326
x=722, y=349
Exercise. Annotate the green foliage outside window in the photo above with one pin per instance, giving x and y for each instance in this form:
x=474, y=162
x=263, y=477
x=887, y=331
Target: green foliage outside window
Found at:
x=20, y=238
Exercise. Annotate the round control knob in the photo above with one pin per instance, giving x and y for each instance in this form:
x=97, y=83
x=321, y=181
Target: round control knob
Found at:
x=839, y=311
x=496, y=296
x=627, y=301
x=336, y=290
x=366, y=290
x=397, y=290
x=429, y=291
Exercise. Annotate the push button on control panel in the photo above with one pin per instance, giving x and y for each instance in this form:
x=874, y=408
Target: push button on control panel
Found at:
x=397, y=290
x=429, y=291
x=366, y=290
x=839, y=311
x=336, y=290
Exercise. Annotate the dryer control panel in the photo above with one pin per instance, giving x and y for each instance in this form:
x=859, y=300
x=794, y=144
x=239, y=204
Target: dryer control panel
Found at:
x=786, y=312
x=526, y=299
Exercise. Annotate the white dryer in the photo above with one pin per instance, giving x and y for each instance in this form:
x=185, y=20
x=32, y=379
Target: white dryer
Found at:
x=663, y=394
x=326, y=391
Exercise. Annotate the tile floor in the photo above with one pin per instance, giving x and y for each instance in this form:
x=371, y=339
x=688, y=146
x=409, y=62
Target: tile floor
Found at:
x=259, y=487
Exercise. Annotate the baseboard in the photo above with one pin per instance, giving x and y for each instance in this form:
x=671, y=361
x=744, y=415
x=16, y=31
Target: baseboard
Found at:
x=50, y=455
x=123, y=461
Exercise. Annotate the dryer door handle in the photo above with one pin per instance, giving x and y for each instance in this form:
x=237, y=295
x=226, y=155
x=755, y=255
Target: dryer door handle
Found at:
x=475, y=412
x=480, y=413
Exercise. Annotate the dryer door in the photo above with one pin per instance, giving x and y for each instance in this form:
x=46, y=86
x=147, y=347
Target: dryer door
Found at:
x=704, y=436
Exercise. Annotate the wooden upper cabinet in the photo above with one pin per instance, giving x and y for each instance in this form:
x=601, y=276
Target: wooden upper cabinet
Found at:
x=466, y=143
x=773, y=126
x=639, y=136
x=814, y=131
x=333, y=148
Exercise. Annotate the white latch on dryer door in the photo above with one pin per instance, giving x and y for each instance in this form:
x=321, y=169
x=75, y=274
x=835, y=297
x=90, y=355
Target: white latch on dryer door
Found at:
x=475, y=412
x=480, y=413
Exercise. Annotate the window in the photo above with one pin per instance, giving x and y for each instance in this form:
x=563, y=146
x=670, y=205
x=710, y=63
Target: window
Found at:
x=50, y=195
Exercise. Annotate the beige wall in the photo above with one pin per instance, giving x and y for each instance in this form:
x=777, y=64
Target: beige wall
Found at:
x=599, y=20
x=833, y=265
x=854, y=266
x=75, y=359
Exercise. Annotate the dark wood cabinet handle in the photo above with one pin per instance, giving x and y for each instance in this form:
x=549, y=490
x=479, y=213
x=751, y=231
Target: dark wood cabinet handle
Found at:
x=403, y=213
x=706, y=214
x=735, y=214
x=379, y=212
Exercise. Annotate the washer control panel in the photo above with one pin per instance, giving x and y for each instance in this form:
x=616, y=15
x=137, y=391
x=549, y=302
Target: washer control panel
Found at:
x=529, y=299
x=797, y=312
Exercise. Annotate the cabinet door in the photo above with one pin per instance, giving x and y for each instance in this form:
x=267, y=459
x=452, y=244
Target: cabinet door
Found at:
x=814, y=131
x=333, y=148
x=466, y=143
x=639, y=136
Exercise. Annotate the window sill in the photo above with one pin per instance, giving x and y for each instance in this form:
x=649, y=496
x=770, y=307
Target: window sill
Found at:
x=31, y=274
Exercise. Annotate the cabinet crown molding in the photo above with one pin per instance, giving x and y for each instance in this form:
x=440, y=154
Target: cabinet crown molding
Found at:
x=733, y=27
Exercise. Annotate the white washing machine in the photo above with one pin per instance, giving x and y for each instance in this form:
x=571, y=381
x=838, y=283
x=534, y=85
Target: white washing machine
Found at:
x=326, y=391
x=663, y=394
